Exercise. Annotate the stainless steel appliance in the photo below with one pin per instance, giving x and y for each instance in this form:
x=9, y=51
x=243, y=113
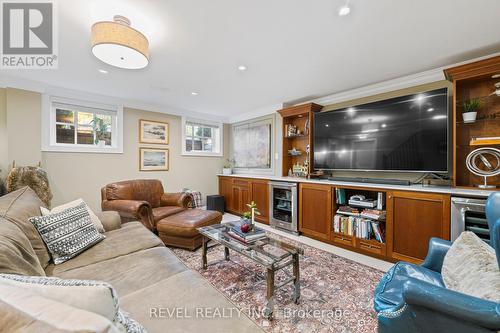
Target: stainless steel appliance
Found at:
x=469, y=214
x=283, y=206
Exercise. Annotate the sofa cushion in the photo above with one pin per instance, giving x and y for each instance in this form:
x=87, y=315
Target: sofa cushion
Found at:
x=186, y=290
x=133, y=271
x=131, y=237
x=88, y=295
x=389, y=291
x=16, y=254
x=17, y=207
x=470, y=267
x=162, y=212
x=24, y=311
x=68, y=233
x=95, y=219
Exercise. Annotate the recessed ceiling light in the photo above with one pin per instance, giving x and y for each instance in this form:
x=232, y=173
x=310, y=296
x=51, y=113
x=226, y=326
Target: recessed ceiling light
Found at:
x=326, y=125
x=430, y=109
x=103, y=71
x=344, y=10
x=242, y=68
x=194, y=93
x=384, y=125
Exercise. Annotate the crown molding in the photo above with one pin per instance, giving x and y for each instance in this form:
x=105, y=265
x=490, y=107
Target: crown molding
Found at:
x=383, y=87
x=46, y=89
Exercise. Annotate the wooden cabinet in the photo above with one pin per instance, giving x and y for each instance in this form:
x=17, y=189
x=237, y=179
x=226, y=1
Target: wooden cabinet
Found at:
x=315, y=210
x=413, y=218
x=226, y=189
x=238, y=192
x=240, y=195
x=259, y=192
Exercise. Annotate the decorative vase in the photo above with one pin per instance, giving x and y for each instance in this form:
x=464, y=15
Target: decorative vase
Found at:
x=227, y=171
x=469, y=117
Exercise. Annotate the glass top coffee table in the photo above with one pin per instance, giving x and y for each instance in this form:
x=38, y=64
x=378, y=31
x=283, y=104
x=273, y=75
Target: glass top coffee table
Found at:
x=271, y=253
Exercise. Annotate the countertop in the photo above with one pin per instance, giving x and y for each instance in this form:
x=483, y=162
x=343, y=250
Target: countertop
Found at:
x=454, y=191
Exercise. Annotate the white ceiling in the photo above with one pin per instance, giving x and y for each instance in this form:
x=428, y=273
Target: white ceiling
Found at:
x=293, y=48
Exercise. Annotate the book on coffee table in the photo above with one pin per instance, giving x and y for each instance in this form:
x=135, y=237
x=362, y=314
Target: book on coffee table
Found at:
x=251, y=236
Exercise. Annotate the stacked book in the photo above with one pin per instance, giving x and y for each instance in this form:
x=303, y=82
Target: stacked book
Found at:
x=248, y=237
x=374, y=214
x=359, y=227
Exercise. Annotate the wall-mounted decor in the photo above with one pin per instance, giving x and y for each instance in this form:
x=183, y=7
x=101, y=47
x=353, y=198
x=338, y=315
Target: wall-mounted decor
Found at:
x=153, y=132
x=153, y=159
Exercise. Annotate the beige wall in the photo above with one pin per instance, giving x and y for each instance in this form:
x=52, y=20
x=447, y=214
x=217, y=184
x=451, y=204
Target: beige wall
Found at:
x=3, y=135
x=81, y=175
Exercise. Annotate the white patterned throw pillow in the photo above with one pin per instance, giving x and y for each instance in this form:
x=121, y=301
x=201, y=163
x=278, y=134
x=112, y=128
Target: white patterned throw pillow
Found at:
x=88, y=295
x=470, y=267
x=67, y=233
x=74, y=203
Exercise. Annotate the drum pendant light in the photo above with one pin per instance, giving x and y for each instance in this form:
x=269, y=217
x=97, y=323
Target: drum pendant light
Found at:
x=118, y=44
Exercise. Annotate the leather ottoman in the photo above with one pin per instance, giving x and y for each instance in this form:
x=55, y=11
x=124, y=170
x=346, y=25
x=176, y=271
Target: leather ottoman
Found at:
x=179, y=230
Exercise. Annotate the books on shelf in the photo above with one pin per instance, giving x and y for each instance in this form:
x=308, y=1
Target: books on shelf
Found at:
x=251, y=236
x=373, y=214
x=340, y=197
x=358, y=227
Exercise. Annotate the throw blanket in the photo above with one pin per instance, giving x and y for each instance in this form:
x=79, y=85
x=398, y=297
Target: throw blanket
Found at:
x=197, y=199
x=34, y=177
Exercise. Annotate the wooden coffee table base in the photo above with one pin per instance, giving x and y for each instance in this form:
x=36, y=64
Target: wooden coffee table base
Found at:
x=294, y=278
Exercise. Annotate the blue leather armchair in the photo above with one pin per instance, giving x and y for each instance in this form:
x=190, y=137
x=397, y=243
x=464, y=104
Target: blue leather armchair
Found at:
x=411, y=298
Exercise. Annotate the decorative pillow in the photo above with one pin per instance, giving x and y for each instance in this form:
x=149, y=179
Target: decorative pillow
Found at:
x=67, y=233
x=92, y=296
x=95, y=220
x=471, y=267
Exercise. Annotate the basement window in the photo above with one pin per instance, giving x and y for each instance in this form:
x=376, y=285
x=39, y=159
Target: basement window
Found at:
x=201, y=138
x=77, y=126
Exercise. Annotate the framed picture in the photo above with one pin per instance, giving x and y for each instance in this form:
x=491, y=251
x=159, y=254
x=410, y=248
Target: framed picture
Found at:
x=153, y=132
x=153, y=159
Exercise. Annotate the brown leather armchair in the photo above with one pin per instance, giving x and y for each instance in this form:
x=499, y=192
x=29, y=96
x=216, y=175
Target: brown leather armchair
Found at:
x=143, y=200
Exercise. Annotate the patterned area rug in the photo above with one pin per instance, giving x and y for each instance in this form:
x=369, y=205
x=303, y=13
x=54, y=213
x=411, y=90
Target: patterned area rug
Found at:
x=336, y=293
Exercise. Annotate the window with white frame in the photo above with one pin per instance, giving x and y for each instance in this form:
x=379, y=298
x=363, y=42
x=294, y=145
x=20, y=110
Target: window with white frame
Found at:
x=202, y=138
x=78, y=126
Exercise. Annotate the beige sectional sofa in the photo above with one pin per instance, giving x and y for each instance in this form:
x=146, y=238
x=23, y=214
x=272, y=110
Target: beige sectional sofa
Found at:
x=147, y=276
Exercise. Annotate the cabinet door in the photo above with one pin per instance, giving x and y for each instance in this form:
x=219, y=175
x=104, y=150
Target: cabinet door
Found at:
x=315, y=210
x=225, y=189
x=260, y=194
x=241, y=195
x=413, y=219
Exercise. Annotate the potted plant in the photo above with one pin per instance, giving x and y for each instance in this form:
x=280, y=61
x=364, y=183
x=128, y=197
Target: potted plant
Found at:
x=227, y=169
x=470, y=110
x=100, y=129
x=248, y=218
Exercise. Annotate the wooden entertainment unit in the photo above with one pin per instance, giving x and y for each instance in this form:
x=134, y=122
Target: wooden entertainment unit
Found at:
x=412, y=217
x=413, y=214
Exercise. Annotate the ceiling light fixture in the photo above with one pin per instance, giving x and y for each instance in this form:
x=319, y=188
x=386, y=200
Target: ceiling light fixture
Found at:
x=430, y=109
x=103, y=71
x=440, y=116
x=242, y=68
x=384, y=125
x=118, y=44
x=345, y=9
x=194, y=93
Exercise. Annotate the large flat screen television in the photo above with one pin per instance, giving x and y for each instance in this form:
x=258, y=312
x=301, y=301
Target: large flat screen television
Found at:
x=408, y=133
